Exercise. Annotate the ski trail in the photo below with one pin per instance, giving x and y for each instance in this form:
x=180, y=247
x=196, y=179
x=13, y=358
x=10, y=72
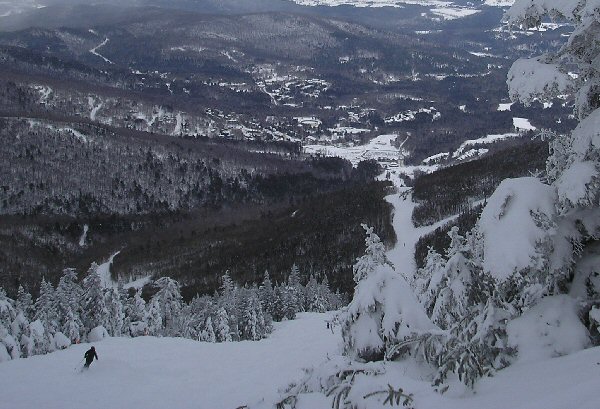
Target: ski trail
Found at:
x=177, y=130
x=104, y=272
x=95, y=51
x=83, y=235
x=94, y=108
x=403, y=254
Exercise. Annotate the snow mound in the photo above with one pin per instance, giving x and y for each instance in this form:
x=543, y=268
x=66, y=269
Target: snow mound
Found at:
x=511, y=225
x=572, y=186
x=552, y=328
x=61, y=341
x=97, y=334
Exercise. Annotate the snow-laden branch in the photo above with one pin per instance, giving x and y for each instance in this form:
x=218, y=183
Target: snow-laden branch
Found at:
x=530, y=79
x=530, y=13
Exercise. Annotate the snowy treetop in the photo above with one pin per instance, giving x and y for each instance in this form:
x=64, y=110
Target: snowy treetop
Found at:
x=512, y=225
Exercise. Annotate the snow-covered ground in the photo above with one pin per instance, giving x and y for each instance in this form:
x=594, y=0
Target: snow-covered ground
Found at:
x=523, y=124
x=378, y=148
x=150, y=372
x=453, y=13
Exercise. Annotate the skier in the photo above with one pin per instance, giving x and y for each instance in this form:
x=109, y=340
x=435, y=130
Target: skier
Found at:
x=89, y=357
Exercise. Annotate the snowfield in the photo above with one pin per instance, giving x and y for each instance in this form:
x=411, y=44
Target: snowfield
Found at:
x=151, y=372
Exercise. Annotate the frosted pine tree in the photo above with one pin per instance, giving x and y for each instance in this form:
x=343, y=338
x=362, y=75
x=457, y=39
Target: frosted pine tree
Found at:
x=277, y=305
x=374, y=256
x=20, y=331
x=289, y=302
x=68, y=297
x=266, y=294
x=72, y=327
x=207, y=334
x=428, y=278
x=253, y=320
x=573, y=169
x=229, y=301
x=134, y=323
x=138, y=308
x=449, y=285
x=295, y=289
x=170, y=301
x=24, y=302
x=384, y=310
x=154, y=318
x=114, y=312
x=316, y=296
x=40, y=340
x=94, y=312
x=222, y=326
x=9, y=346
x=45, y=307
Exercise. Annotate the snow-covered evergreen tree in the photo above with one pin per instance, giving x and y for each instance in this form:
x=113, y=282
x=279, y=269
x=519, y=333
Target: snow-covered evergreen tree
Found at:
x=222, y=330
x=427, y=279
x=24, y=303
x=208, y=333
x=278, y=310
x=374, y=255
x=68, y=303
x=573, y=169
x=384, y=310
x=94, y=312
x=229, y=301
x=170, y=301
x=9, y=346
x=295, y=290
x=154, y=318
x=253, y=320
x=114, y=312
x=134, y=308
x=266, y=294
x=316, y=296
x=45, y=307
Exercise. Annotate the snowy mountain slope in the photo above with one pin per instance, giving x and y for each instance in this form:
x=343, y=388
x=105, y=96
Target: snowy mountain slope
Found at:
x=157, y=373
x=150, y=372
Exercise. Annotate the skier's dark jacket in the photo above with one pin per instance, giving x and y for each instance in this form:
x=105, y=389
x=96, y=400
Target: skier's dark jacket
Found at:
x=90, y=354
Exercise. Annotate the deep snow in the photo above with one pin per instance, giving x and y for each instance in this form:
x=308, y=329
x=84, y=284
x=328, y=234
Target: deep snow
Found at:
x=150, y=372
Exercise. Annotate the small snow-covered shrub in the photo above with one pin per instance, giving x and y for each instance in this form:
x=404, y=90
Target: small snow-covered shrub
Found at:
x=549, y=329
x=97, y=334
x=384, y=309
x=61, y=341
x=138, y=328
